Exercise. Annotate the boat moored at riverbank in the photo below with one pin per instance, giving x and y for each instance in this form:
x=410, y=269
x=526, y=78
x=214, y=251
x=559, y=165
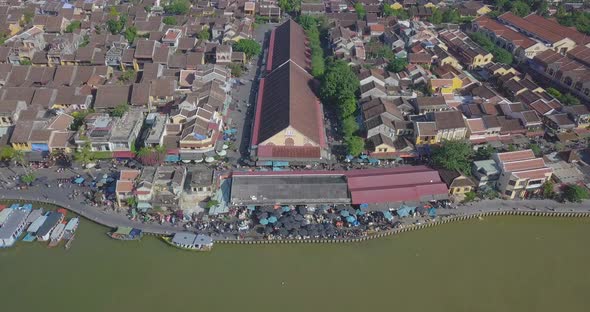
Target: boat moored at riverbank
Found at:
x=190, y=241
x=57, y=234
x=126, y=233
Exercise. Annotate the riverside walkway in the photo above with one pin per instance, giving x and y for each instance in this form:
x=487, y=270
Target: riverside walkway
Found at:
x=91, y=213
x=54, y=196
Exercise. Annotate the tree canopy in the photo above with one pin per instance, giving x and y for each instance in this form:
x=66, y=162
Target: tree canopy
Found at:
x=131, y=34
x=575, y=193
x=74, y=25
x=339, y=82
x=565, y=99
x=500, y=55
x=177, y=7
x=249, y=46
x=397, y=65
x=520, y=8
x=204, y=35
x=120, y=110
x=360, y=10
x=290, y=6
x=453, y=155
x=311, y=27
x=169, y=20
x=7, y=153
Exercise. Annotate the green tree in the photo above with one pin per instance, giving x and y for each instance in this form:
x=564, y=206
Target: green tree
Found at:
x=554, y=92
x=127, y=76
x=520, y=8
x=360, y=10
x=311, y=26
x=25, y=62
x=211, y=203
x=339, y=82
x=451, y=16
x=204, y=35
x=397, y=65
x=349, y=126
x=543, y=9
x=484, y=153
x=536, y=150
x=151, y=156
x=575, y=193
x=469, y=197
x=120, y=110
x=437, y=17
x=177, y=7
x=115, y=26
x=7, y=153
x=19, y=158
x=169, y=20
x=249, y=46
x=355, y=145
x=84, y=154
x=347, y=107
x=131, y=201
x=131, y=34
x=113, y=13
x=290, y=6
x=28, y=178
x=569, y=99
x=236, y=69
x=74, y=25
x=453, y=155
x=549, y=189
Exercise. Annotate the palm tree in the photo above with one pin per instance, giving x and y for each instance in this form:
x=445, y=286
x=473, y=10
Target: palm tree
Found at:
x=84, y=155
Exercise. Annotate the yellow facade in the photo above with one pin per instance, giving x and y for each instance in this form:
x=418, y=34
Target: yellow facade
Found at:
x=484, y=10
x=460, y=190
x=288, y=135
x=449, y=60
x=14, y=29
x=384, y=148
x=503, y=71
x=396, y=6
x=481, y=60
x=456, y=84
x=22, y=146
x=426, y=140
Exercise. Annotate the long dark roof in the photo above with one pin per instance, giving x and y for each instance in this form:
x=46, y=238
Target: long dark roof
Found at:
x=288, y=42
x=288, y=100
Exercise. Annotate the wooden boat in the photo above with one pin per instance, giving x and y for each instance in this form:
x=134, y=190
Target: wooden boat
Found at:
x=197, y=242
x=56, y=235
x=126, y=233
x=71, y=227
x=69, y=242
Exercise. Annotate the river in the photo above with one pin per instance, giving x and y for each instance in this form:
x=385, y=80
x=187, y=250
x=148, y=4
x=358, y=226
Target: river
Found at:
x=498, y=264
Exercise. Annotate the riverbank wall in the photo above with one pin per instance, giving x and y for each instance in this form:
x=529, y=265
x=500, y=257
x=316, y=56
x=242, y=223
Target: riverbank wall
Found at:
x=412, y=227
x=157, y=231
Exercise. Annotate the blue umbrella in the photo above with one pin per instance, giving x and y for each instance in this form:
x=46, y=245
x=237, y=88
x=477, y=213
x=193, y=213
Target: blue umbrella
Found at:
x=359, y=212
x=286, y=208
x=350, y=219
x=251, y=207
x=263, y=221
x=344, y=213
x=272, y=219
x=388, y=215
